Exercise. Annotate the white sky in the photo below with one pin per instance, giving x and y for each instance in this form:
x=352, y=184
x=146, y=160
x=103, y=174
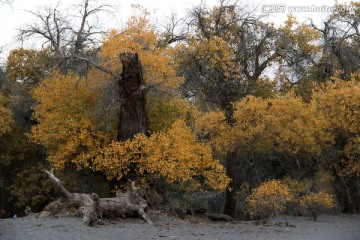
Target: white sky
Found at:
x=13, y=17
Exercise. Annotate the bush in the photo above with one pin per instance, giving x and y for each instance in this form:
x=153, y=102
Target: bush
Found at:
x=269, y=199
x=316, y=203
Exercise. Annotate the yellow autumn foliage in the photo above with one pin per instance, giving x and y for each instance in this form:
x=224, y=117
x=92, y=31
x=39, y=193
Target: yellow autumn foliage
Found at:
x=269, y=199
x=139, y=36
x=173, y=156
x=301, y=35
x=339, y=101
x=216, y=53
x=214, y=130
x=63, y=113
x=316, y=203
x=69, y=126
x=67, y=129
x=285, y=124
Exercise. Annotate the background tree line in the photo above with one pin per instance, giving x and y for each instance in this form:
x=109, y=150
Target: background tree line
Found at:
x=204, y=116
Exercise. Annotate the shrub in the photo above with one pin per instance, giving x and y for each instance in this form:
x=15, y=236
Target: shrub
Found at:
x=269, y=199
x=316, y=203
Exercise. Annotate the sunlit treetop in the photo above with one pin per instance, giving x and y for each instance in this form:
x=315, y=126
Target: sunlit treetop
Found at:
x=287, y=125
x=139, y=36
x=339, y=100
x=300, y=36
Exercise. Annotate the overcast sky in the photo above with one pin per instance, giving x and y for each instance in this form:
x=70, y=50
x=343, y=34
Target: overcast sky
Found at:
x=13, y=17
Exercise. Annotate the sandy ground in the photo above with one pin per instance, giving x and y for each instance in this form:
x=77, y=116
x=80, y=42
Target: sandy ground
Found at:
x=328, y=227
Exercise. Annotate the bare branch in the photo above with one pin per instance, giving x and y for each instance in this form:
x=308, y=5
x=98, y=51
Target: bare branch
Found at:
x=53, y=27
x=9, y=2
x=104, y=69
x=58, y=182
x=66, y=33
x=175, y=30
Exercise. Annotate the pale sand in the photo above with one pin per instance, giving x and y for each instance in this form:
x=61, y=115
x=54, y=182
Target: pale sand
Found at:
x=328, y=227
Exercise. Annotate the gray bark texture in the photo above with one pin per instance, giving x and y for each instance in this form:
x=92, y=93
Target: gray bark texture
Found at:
x=92, y=208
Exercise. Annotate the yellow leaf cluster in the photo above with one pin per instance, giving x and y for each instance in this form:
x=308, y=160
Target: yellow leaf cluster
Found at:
x=214, y=130
x=301, y=35
x=214, y=53
x=269, y=199
x=65, y=103
x=139, y=36
x=339, y=101
x=352, y=152
x=285, y=124
x=317, y=202
x=174, y=156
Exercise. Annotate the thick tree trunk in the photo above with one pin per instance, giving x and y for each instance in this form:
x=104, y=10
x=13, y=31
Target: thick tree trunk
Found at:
x=230, y=197
x=230, y=202
x=350, y=203
x=133, y=117
x=91, y=207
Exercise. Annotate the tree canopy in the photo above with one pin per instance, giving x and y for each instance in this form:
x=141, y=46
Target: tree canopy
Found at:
x=222, y=100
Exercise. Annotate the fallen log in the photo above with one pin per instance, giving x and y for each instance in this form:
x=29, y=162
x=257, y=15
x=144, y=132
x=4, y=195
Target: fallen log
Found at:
x=91, y=207
x=220, y=217
x=126, y=203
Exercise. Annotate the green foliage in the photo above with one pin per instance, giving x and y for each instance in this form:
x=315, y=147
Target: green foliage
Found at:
x=28, y=65
x=163, y=110
x=298, y=187
x=31, y=187
x=6, y=120
x=266, y=88
x=352, y=158
x=324, y=181
x=21, y=180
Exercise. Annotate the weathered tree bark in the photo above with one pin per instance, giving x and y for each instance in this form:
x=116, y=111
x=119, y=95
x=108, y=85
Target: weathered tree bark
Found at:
x=124, y=204
x=91, y=207
x=133, y=117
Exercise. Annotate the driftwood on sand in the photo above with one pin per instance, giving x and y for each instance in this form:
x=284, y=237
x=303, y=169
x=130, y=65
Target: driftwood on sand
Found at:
x=90, y=207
